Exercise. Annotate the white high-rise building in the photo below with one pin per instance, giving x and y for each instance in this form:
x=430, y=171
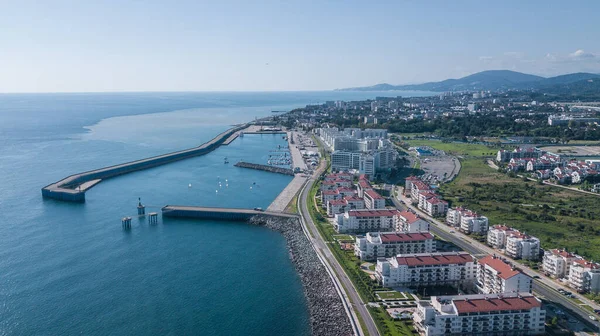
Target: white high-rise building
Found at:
x=496, y=236
x=556, y=263
x=522, y=246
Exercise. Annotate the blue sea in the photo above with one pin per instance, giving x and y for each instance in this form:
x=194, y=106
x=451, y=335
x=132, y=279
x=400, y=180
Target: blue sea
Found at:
x=71, y=269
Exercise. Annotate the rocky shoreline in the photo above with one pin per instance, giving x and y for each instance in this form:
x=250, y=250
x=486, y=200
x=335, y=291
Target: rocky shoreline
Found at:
x=327, y=313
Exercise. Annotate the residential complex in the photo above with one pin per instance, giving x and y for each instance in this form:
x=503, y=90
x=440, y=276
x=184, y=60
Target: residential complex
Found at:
x=556, y=263
x=373, y=200
x=425, y=198
x=376, y=245
x=496, y=236
x=495, y=275
x=410, y=222
x=481, y=314
x=522, y=246
x=363, y=221
x=427, y=269
x=467, y=221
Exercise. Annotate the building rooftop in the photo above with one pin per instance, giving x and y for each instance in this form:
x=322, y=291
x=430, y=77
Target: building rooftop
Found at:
x=372, y=213
x=397, y=237
x=504, y=270
x=408, y=216
x=373, y=194
x=467, y=305
x=430, y=259
x=330, y=192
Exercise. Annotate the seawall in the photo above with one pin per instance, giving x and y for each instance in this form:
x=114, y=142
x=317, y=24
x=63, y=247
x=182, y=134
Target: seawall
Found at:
x=73, y=188
x=229, y=214
x=272, y=169
x=327, y=313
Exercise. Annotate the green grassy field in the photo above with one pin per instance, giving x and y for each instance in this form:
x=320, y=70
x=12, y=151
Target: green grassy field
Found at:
x=560, y=218
x=462, y=149
x=392, y=295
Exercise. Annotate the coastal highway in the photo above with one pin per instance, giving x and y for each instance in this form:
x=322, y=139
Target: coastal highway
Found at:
x=358, y=305
x=542, y=287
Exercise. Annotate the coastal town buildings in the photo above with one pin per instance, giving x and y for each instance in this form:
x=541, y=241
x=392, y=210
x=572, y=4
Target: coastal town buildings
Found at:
x=522, y=246
x=481, y=314
x=373, y=200
x=467, y=221
x=556, y=263
x=363, y=221
x=424, y=197
x=494, y=275
x=410, y=222
x=584, y=276
x=496, y=236
x=340, y=206
x=426, y=269
x=376, y=245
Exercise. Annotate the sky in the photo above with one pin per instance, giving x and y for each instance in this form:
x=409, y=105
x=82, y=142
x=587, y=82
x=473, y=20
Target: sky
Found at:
x=225, y=45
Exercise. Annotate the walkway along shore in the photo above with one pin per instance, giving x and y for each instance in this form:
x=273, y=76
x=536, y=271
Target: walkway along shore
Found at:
x=73, y=188
x=327, y=313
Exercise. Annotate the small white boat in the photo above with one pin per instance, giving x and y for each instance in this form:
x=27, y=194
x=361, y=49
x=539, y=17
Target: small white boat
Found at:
x=189, y=185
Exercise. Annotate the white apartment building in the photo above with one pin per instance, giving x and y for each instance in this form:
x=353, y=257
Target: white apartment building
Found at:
x=496, y=236
x=362, y=186
x=345, y=160
x=435, y=206
x=426, y=269
x=362, y=221
x=376, y=245
x=467, y=221
x=329, y=195
x=373, y=200
x=410, y=222
x=556, y=263
x=497, y=276
x=366, y=165
x=522, y=246
x=584, y=276
x=481, y=314
x=347, y=203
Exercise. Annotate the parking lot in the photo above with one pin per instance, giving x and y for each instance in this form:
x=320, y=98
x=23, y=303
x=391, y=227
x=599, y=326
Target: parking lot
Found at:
x=440, y=168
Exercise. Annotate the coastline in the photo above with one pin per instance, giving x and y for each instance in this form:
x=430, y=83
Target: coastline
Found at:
x=327, y=313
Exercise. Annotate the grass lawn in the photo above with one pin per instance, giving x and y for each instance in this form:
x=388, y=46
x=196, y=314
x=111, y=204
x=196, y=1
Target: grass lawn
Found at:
x=393, y=295
x=560, y=218
x=388, y=326
x=456, y=148
x=344, y=237
x=292, y=207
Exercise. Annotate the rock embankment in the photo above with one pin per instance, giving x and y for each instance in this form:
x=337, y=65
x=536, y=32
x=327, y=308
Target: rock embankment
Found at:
x=272, y=169
x=327, y=313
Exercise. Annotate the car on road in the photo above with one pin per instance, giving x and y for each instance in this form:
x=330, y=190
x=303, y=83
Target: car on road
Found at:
x=593, y=318
x=452, y=231
x=536, y=276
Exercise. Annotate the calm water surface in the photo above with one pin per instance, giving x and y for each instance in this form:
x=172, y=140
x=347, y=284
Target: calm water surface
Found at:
x=69, y=269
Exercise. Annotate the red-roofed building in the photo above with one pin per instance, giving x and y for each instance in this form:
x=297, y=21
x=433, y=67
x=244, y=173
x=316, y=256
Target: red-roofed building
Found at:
x=373, y=200
x=497, y=276
x=584, y=276
x=496, y=236
x=427, y=269
x=362, y=186
x=480, y=314
x=410, y=222
x=328, y=185
x=556, y=263
x=345, y=204
x=363, y=221
x=416, y=188
x=329, y=195
x=376, y=245
x=435, y=206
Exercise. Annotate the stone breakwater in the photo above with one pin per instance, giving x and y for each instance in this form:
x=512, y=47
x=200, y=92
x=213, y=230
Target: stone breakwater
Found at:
x=327, y=313
x=272, y=169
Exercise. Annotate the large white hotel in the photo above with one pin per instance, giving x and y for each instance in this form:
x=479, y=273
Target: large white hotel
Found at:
x=494, y=275
x=378, y=220
x=481, y=314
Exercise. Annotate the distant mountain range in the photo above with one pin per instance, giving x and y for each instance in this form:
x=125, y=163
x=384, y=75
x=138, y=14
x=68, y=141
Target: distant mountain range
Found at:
x=496, y=80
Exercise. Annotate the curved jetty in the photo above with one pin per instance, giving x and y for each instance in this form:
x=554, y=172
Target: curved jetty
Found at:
x=272, y=169
x=236, y=214
x=327, y=313
x=73, y=188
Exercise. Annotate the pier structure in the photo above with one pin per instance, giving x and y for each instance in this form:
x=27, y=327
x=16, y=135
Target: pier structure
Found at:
x=126, y=222
x=272, y=169
x=141, y=208
x=153, y=218
x=230, y=214
x=73, y=188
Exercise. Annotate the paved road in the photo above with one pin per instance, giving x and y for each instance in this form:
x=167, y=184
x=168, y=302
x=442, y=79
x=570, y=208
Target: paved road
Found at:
x=357, y=304
x=542, y=287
